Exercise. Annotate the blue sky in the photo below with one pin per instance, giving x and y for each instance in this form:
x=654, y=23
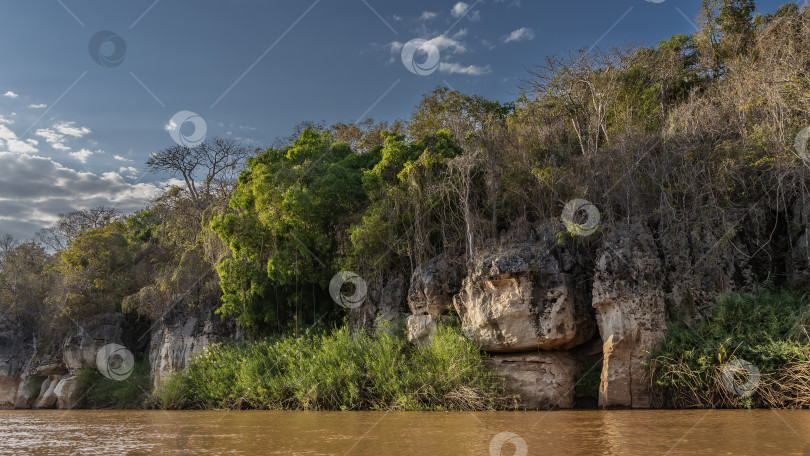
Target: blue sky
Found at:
x=76, y=128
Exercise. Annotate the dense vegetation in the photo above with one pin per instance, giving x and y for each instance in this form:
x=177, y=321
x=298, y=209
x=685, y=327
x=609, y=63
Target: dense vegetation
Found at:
x=694, y=134
x=340, y=370
x=767, y=330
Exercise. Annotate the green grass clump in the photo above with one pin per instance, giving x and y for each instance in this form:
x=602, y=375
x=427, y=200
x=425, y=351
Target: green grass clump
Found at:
x=97, y=391
x=339, y=370
x=767, y=329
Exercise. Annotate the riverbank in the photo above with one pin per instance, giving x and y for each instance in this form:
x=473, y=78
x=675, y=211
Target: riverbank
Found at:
x=752, y=352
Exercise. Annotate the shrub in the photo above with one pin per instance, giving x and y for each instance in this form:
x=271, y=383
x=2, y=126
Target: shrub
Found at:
x=97, y=391
x=339, y=370
x=766, y=330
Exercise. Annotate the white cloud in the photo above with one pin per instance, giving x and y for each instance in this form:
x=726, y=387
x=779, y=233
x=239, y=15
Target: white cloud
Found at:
x=10, y=94
x=38, y=106
x=469, y=70
x=130, y=171
x=428, y=15
x=521, y=34
x=122, y=159
x=171, y=126
x=82, y=155
x=67, y=128
x=34, y=190
x=9, y=141
x=444, y=43
x=57, y=135
x=5, y=121
x=461, y=9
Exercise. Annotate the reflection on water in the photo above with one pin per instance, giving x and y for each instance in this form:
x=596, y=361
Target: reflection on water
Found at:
x=590, y=432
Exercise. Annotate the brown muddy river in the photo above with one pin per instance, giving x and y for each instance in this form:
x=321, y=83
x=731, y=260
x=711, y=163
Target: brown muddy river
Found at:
x=716, y=432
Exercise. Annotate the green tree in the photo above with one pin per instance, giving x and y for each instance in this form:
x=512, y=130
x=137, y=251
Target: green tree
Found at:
x=287, y=223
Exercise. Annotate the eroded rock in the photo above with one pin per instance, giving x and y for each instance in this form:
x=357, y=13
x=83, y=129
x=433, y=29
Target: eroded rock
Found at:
x=433, y=285
x=543, y=379
x=525, y=297
x=630, y=311
x=65, y=392
x=174, y=341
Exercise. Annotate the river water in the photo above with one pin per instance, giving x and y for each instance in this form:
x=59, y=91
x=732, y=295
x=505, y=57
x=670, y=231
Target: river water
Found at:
x=592, y=432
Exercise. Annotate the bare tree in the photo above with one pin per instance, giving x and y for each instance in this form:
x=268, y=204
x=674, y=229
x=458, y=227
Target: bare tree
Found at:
x=206, y=169
x=59, y=236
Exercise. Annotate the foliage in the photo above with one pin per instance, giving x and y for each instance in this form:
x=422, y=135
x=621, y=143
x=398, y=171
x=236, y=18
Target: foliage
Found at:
x=339, y=370
x=98, y=391
x=767, y=330
x=289, y=212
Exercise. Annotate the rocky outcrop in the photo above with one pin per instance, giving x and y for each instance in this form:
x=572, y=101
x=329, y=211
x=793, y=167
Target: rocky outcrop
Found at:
x=433, y=285
x=177, y=338
x=524, y=297
x=81, y=346
x=629, y=300
x=65, y=392
x=421, y=329
x=542, y=379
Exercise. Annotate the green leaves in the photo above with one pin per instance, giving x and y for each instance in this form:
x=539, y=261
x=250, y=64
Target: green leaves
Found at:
x=291, y=210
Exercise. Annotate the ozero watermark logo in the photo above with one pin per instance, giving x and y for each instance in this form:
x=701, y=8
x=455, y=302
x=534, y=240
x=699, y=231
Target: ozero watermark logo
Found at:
x=354, y=300
x=107, y=49
x=115, y=362
x=571, y=217
x=177, y=128
x=500, y=440
x=741, y=377
x=420, y=57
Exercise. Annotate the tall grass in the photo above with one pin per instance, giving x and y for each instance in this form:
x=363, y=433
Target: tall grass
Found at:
x=339, y=370
x=97, y=391
x=768, y=330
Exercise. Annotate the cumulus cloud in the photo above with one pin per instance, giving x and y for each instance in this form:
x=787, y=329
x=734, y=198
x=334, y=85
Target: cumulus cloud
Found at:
x=34, y=190
x=443, y=43
x=130, y=171
x=38, y=106
x=68, y=128
x=9, y=141
x=469, y=70
x=121, y=159
x=58, y=134
x=521, y=34
x=82, y=155
x=428, y=15
x=461, y=9
x=10, y=94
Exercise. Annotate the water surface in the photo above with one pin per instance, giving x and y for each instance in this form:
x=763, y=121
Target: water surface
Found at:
x=592, y=432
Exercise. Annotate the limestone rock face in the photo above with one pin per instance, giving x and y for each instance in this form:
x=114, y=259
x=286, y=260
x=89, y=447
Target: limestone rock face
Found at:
x=522, y=298
x=175, y=340
x=543, y=379
x=27, y=393
x=629, y=300
x=47, y=395
x=65, y=392
x=80, y=348
x=433, y=285
x=421, y=329
x=698, y=266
